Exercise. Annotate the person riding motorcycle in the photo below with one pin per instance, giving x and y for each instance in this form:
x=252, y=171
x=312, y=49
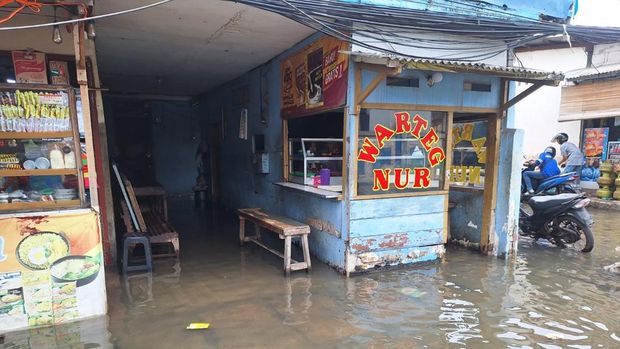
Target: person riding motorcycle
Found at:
x=548, y=168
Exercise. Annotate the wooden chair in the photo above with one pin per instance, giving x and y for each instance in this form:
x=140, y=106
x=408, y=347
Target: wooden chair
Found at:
x=150, y=224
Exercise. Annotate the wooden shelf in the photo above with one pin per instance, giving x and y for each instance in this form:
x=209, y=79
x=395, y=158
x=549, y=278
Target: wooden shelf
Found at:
x=29, y=173
x=35, y=135
x=20, y=206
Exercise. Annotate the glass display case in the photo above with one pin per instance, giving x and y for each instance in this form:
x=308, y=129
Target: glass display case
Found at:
x=316, y=162
x=40, y=160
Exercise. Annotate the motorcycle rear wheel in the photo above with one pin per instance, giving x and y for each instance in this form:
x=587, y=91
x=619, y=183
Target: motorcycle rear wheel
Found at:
x=585, y=243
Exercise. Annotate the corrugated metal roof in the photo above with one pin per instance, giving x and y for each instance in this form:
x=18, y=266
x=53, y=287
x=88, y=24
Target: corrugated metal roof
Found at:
x=594, y=73
x=512, y=73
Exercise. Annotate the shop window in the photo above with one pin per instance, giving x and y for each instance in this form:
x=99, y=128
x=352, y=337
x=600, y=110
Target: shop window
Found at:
x=477, y=87
x=469, y=142
x=402, y=82
x=402, y=152
x=315, y=150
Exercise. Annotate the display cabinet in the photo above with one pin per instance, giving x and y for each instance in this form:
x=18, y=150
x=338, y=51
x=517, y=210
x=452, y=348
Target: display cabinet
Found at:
x=316, y=162
x=40, y=160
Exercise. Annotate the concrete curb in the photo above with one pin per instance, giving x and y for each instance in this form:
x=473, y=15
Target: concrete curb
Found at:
x=613, y=205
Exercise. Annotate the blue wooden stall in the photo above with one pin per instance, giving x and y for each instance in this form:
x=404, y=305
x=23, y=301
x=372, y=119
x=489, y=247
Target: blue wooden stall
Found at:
x=358, y=230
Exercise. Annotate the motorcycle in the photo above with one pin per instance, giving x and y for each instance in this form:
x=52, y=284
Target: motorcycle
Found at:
x=549, y=186
x=562, y=219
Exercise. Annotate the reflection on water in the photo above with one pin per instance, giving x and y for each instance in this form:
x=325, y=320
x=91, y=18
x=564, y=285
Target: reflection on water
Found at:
x=544, y=298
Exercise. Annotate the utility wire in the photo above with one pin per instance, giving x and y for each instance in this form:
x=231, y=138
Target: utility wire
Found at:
x=395, y=26
x=70, y=21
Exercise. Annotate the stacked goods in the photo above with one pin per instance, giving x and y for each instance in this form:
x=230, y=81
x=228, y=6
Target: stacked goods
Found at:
x=31, y=111
x=9, y=162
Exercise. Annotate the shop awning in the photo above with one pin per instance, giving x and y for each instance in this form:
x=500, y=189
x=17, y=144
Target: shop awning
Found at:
x=605, y=72
x=598, y=98
x=511, y=73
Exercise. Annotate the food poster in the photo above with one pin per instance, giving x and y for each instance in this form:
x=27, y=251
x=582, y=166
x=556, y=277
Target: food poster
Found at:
x=52, y=266
x=29, y=67
x=315, y=78
x=595, y=142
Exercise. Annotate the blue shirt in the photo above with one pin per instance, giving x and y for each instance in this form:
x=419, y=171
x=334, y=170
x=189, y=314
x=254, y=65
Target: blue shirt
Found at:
x=548, y=165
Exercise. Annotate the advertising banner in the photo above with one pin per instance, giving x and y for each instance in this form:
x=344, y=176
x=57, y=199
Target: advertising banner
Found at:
x=29, y=67
x=595, y=142
x=51, y=270
x=315, y=79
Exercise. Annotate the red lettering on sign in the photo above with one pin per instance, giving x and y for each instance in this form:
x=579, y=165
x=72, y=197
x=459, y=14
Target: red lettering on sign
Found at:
x=381, y=181
x=436, y=156
x=399, y=183
x=368, y=152
x=422, y=177
x=403, y=122
x=429, y=139
x=383, y=134
x=420, y=124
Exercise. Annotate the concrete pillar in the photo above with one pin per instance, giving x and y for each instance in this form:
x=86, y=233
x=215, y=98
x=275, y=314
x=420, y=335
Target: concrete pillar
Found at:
x=509, y=184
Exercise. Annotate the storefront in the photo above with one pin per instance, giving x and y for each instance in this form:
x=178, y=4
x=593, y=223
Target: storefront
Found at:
x=371, y=150
x=51, y=248
x=593, y=97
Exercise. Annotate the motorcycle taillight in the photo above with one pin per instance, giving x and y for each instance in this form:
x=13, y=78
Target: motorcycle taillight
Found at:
x=582, y=203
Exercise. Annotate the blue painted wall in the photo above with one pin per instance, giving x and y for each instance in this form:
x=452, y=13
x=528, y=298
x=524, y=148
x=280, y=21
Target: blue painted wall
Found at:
x=448, y=92
x=176, y=133
x=394, y=231
x=466, y=217
x=243, y=186
x=167, y=133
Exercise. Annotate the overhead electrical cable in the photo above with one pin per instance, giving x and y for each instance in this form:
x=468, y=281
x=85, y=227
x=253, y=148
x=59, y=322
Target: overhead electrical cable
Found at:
x=89, y=18
x=402, y=26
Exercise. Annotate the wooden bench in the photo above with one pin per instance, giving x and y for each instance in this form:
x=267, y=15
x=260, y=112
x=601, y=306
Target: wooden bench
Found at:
x=151, y=223
x=286, y=228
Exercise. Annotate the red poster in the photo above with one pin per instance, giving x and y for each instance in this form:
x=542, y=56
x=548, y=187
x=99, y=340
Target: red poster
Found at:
x=29, y=67
x=315, y=79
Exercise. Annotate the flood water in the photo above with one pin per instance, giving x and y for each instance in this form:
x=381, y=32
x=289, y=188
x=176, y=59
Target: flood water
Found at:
x=544, y=298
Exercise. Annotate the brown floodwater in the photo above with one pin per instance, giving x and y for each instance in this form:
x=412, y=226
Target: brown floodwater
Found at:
x=545, y=298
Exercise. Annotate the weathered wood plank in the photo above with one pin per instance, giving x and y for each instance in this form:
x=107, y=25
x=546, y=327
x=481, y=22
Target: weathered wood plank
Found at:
x=397, y=240
x=406, y=206
x=398, y=224
x=281, y=225
x=370, y=260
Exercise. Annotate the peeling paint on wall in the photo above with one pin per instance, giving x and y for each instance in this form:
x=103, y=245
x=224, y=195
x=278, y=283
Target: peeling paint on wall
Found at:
x=391, y=258
x=324, y=226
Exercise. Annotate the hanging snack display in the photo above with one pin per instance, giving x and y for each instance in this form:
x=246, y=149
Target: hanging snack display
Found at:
x=38, y=161
x=30, y=111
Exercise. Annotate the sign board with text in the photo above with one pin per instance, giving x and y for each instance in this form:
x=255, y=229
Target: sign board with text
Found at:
x=315, y=78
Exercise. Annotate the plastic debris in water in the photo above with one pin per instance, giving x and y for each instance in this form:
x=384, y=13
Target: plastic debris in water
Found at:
x=412, y=292
x=198, y=326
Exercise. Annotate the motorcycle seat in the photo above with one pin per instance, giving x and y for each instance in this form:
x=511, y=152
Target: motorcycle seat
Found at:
x=539, y=202
x=561, y=175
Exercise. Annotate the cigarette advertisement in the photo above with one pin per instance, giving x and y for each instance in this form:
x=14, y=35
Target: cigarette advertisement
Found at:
x=51, y=270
